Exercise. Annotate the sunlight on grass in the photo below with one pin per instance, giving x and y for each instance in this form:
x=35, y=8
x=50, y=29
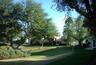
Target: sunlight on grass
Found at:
x=31, y=58
x=53, y=52
x=37, y=48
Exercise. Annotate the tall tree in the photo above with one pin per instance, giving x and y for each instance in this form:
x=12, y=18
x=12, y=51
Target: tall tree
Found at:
x=68, y=31
x=75, y=30
x=9, y=15
x=15, y=18
x=43, y=29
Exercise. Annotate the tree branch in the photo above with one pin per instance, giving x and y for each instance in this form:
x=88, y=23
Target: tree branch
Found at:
x=81, y=12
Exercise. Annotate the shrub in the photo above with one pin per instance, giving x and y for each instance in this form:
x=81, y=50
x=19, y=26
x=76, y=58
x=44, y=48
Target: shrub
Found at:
x=8, y=52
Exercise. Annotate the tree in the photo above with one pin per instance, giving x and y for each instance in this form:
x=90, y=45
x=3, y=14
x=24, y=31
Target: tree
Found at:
x=38, y=22
x=9, y=15
x=43, y=29
x=27, y=18
x=68, y=30
x=81, y=32
x=86, y=8
x=15, y=18
x=50, y=31
x=75, y=31
x=39, y=26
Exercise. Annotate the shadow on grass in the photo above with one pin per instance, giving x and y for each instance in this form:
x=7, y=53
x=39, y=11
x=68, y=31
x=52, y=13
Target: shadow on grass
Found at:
x=80, y=57
x=51, y=52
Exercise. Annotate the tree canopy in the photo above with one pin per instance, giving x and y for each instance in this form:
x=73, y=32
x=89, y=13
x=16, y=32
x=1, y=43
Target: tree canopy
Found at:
x=24, y=20
x=9, y=15
x=86, y=8
x=73, y=30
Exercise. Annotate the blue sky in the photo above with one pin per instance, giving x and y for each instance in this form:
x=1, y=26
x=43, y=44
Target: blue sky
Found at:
x=58, y=18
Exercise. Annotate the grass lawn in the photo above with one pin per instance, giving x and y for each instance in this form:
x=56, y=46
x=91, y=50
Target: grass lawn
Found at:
x=34, y=49
x=52, y=52
x=37, y=51
x=7, y=52
x=80, y=57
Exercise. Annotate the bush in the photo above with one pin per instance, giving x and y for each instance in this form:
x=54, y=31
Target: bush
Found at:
x=8, y=52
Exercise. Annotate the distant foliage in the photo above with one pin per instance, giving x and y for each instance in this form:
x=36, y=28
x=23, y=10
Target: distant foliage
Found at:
x=74, y=30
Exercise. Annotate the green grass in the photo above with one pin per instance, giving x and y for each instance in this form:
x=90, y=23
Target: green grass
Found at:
x=80, y=57
x=37, y=51
x=6, y=52
x=52, y=52
x=33, y=49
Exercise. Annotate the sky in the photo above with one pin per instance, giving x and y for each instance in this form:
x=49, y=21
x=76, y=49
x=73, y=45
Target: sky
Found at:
x=58, y=18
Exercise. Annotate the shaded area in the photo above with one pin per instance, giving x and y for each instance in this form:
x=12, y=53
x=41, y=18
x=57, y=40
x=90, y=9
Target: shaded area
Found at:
x=80, y=57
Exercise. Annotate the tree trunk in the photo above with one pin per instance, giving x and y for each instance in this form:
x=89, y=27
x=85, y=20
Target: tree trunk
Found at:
x=80, y=43
x=94, y=37
x=42, y=44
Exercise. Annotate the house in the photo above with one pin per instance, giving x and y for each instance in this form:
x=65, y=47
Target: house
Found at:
x=92, y=42
x=59, y=40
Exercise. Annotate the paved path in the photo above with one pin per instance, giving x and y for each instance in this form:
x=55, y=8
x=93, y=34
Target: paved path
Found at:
x=34, y=60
